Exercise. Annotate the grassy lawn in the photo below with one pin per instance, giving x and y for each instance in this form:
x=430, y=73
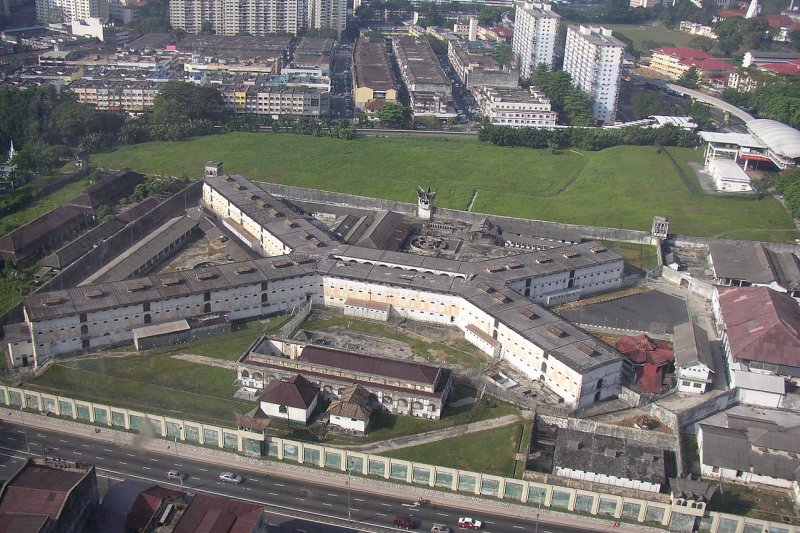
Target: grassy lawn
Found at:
x=153, y=383
x=490, y=452
x=639, y=257
x=42, y=205
x=230, y=346
x=458, y=353
x=652, y=32
x=624, y=186
x=762, y=504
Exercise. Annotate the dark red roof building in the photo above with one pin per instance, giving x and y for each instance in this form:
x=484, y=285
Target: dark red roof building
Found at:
x=761, y=329
x=215, y=514
x=650, y=359
x=47, y=499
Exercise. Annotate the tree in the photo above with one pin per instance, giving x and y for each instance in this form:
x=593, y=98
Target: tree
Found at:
x=395, y=116
x=690, y=79
x=207, y=27
x=703, y=43
x=794, y=36
x=502, y=54
x=647, y=103
x=180, y=100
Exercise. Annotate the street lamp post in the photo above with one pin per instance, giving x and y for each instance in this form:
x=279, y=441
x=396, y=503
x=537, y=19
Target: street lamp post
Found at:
x=349, y=479
x=24, y=428
x=178, y=459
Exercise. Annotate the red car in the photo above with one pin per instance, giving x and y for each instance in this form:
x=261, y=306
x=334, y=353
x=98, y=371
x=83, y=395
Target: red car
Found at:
x=404, y=521
x=469, y=523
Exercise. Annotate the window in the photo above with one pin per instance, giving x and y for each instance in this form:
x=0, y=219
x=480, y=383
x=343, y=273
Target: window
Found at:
x=283, y=409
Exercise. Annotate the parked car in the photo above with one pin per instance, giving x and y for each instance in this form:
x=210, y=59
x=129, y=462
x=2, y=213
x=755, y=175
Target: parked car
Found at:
x=174, y=474
x=439, y=528
x=404, y=521
x=230, y=477
x=469, y=523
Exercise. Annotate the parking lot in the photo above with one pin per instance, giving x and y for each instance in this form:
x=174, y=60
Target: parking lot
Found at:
x=653, y=312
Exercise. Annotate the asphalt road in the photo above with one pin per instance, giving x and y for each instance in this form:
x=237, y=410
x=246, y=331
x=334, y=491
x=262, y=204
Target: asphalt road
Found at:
x=292, y=505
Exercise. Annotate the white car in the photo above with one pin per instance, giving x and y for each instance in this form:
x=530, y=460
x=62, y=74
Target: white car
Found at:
x=469, y=523
x=230, y=477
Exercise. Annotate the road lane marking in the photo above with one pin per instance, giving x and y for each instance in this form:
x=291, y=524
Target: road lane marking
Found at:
x=518, y=527
x=334, y=495
x=107, y=450
x=147, y=468
x=357, y=500
x=442, y=514
x=276, y=494
x=85, y=445
x=328, y=504
x=202, y=470
x=279, y=485
x=154, y=460
x=122, y=462
x=62, y=440
x=77, y=452
x=130, y=455
x=380, y=514
x=386, y=504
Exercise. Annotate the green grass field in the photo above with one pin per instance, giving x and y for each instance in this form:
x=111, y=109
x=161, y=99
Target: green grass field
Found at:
x=490, y=452
x=624, y=186
x=152, y=383
x=653, y=32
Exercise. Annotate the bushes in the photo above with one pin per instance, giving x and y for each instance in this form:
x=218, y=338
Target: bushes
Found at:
x=788, y=184
x=586, y=138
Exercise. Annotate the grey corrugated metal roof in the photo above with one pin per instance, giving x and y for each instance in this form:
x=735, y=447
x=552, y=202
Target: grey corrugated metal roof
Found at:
x=690, y=344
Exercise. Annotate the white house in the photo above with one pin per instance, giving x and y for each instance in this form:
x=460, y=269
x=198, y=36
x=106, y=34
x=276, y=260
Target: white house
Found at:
x=755, y=388
x=352, y=410
x=293, y=399
x=694, y=364
x=728, y=176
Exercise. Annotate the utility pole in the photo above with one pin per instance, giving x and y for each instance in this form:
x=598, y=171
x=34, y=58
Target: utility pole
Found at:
x=24, y=428
x=349, y=479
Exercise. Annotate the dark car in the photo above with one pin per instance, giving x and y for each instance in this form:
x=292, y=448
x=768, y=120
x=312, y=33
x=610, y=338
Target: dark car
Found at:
x=404, y=521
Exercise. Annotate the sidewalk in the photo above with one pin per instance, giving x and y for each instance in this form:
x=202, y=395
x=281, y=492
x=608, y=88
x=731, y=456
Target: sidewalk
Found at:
x=377, y=487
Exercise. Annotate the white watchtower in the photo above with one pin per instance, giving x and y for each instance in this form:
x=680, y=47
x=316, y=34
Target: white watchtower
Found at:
x=425, y=203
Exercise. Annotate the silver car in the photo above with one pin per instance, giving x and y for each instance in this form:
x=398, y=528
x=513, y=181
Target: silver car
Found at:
x=230, y=477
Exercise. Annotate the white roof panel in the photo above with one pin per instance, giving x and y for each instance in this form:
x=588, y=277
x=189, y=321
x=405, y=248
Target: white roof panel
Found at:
x=781, y=138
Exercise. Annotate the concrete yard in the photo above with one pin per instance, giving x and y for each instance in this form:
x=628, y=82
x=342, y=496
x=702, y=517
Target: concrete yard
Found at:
x=653, y=312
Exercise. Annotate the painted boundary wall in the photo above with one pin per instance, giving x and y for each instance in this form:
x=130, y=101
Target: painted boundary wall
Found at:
x=340, y=460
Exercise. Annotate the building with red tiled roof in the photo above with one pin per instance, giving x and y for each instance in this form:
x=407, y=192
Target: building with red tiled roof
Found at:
x=674, y=62
x=215, y=514
x=790, y=68
x=648, y=358
x=43, y=498
x=293, y=399
x=760, y=329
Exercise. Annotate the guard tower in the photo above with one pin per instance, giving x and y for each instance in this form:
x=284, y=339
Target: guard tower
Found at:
x=425, y=203
x=213, y=169
x=660, y=228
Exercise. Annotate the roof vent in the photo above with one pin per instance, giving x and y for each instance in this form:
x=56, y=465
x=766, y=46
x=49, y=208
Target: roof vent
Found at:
x=135, y=287
x=302, y=259
x=289, y=223
x=238, y=186
x=588, y=350
x=484, y=287
x=203, y=276
x=598, y=249
x=500, y=297
x=556, y=331
x=51, y=300
x=281, y=263
x=528, y=313
x=169, y=282
x=495, y=268
x=571, y=254
x=514, y=265
x=542, y=259
x=244, y=269
x=93, y=293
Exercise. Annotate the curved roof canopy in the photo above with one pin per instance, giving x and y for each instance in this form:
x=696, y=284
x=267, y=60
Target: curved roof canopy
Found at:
x=779, y=137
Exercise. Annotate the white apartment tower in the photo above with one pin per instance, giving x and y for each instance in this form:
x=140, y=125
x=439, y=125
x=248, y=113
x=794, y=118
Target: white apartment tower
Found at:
x=594, y=60
x=535, y=32
x=69, y=10
x=257, y=17
x=327, y=14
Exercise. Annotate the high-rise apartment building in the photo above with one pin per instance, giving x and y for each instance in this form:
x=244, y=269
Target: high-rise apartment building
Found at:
x=257, y=17
x=535, y=32
x=69, y=10
x=593, y=57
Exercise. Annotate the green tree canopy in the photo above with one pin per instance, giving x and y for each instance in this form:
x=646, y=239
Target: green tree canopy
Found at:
x=395, y=116
x=690, y=79
x=502, y=54
x=181, y=100
x=647, y=103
